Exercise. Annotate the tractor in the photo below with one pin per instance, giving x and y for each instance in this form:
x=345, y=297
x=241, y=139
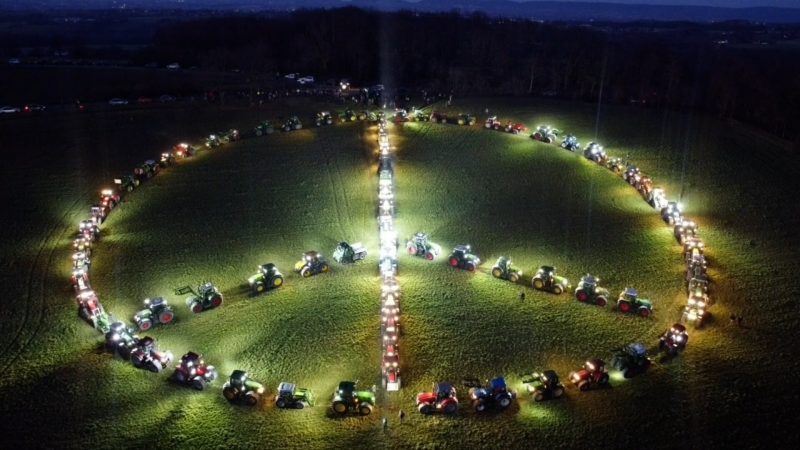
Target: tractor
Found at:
x=571, y=143
x=348, y=398
x=615, y=165
x=463, y=258
x=400, y=116
x=674, y=340
x=89, y=306
x=167, y=159
x=684, y=230
x=81, y=244
x=441, y=399
x=504, y=269
x=80, y=261
x=213, y=141
x=97, y=214
x=466, y=119
x=206, y=297
x=184, y=150
x=291, y=396
x=595, y=152
x=544, y=385
x=495, y=394
x=193, y=371
x=156, y=311
x=546, y=134
x=592, y=375
x=390, y=369
x=421, y=116
x=291, y=124
x=629, y=175
x=323, y=118
x=147, y=169
x=672, y=213
x=693, y=246
x=438, y=117
x=696, y=283
x=80, y=280
x=351, y=116
x=145, y=355
x=231, y=135
x=695, y=310
x=515, y=128
x=369, y=115
x=268, y=277
x=696, y=269
x=348, y=254
x=588, y=291
x=631, y=360
x=89, y=230
x=240, y=388
x=387, y=266
x=629, y=302
x=311, y=264
x=546, y=279
x=109, y=199
x=657, y=198
x=493, y=123
x=643, y=184
x=120, y=340
x=127, y=183
x=420, y=246
x=263, y=128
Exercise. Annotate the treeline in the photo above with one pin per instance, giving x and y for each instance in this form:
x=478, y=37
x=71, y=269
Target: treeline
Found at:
x=476, y=54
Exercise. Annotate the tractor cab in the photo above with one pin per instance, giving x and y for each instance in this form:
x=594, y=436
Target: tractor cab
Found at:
x=630, y=172
x=463, y=258
x=81, y=261
x=571, y=143
x=390, y=361
x=700, y=283
x=267, y=269
x=147, y=345
x=595, y=152
x=109, y=198
x=192, y=364
x=672, y=213
x=674, y=340
x=323, y=118
x=693, y=246
x=547, y=273
x=466, y=119
x=505, y=269
x=167, y=159
x=346, y=390
x=89, y=230
x=80, y=279
x=311, y=263
x=290, y=396
x=238, y=379
x=630, y=294
x=589, y=282
x=213, y=141
x=81, y=244
x=206, y=289
x=546, y=279
x=657, y=198
x=492, y=122
x=443, y=391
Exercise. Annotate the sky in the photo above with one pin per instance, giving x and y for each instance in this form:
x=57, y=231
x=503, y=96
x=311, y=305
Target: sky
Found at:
x=720, y=3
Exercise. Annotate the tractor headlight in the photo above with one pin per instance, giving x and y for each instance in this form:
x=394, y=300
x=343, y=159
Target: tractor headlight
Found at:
x=260, y=390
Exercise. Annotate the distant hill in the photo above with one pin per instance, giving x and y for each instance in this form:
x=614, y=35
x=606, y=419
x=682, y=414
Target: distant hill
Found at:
x=535, y=10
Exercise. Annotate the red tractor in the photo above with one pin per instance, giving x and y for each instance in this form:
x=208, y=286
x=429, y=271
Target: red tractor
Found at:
x=593, y=374
x=193, y=371
x=441, y=399
x=108, y=199
x=183, y=150
x=493, y=123
x=515, y=128
x=438, y=117
x=89, y=306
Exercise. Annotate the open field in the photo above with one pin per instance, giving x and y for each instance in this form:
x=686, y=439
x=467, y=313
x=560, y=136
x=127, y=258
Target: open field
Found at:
x=219, y=215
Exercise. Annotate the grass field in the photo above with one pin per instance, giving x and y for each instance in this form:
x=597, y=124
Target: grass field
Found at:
x=216, y=217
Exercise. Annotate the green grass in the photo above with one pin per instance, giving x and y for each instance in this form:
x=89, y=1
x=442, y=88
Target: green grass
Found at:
x=221, y=214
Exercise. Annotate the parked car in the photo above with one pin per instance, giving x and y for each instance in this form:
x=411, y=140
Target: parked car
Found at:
x=33, y=107
x=9, y=110
x=308, y=79
x=117, y=101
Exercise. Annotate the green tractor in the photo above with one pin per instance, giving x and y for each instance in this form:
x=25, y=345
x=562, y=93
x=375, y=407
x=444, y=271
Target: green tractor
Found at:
x=504, y=269
x=292, y=123
x=127, y=183
x=348, y=398
x=420, y=246
x=631, y=360
x=546, y=279
x=348, y=254
x=311, y=264
x=543, y=386
x=206, y=297
x=323, y=118
x=213, y=141
x=242, y=389
x=466, y=119
x=351, y=116
x=268, y=277
x=463, y=258
x=263, y=128
x=589, y=292
x=629, y=302
x=420, y=116
x=156, y=311
x=291, y=396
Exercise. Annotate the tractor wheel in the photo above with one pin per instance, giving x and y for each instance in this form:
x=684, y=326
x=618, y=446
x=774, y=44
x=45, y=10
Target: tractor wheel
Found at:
x=324, y=267
x=280, y=403
x=145, y=324
x=259, y=133
x=230, y=393
x=604, y=379
x=537, y=136
x=557, y=290
x=453, y=262
x=137, y=360
x=558, y=392
x=178, y=376
x=429, y=256
x=424, y=408
x=412, y=250
x=644, y=311
x=451, y=408
x=155, y=366
x=129, y=188
x=600, y=301
x=166, y=316
x=496, y=272
x=251, y=399
x=305, y=273
x=513, y=277
x=470, y=267
x=538, y=283
x=365, y=409
x=299, y=405
x=277, y=282
x=583, y=385
x=624, y=306
x=581, y=295
x=340, y=408
x=460, y=122
x=504, y=402
x=196, y=307
x=538, y=396
x=198, y=384
x=479, y=405
x=216, y=300
x=259, y=287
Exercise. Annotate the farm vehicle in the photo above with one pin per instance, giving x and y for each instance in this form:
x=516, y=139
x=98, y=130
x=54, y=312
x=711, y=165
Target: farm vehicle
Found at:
x=505, y=270
x=264, y=128
x=240, y=388
x=546, y=134
x=463, y=258
x=193, y=371
x=630, y=302
x=631, y=360
x=311, y=263
x=546, y=279
x=543, y=385
x=291, y=124
x=495, y=394
x=156, y=311
x=441, y=399
x=348, y=254
x=421, y=246
x=291, y=396
x=588, y=291
x=348, y=398
x=206, y=297
x=592, y=375
x=268, y=277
